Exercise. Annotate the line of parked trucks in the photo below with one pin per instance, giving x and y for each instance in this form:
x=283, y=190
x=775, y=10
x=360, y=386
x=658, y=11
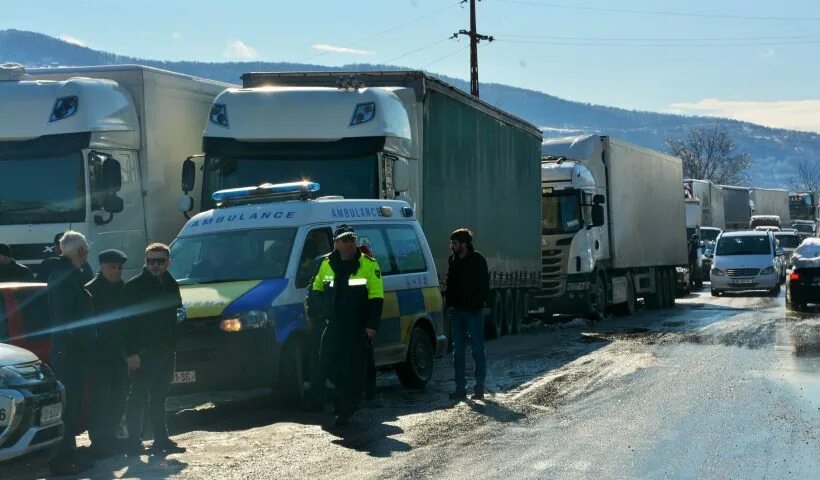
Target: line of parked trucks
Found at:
x=581, y=225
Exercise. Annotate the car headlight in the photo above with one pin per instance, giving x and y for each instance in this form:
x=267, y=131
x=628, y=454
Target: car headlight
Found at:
x=767, y=271
x=247, y=321
x=717, y=272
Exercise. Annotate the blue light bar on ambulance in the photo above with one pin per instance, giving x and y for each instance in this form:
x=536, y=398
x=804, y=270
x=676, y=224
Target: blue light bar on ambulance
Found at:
x=266, y=191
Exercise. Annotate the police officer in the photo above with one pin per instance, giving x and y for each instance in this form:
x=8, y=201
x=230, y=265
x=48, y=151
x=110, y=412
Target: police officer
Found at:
x=108, y=375
x=154, y=297
x=10, y=270
x=71, y=344
x=349, y=285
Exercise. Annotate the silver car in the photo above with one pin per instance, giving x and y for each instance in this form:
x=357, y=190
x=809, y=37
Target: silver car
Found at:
x=746, y=261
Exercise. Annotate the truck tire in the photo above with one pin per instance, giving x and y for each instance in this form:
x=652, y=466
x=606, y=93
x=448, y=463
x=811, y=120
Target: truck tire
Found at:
x=493, y=322
x=518, y=312
x=417, y=368
x=673, y=288
x=509, y=312
x=655, y=300
x=598, y=300
x=289, y=390
x=664, y=291
x=627, y=308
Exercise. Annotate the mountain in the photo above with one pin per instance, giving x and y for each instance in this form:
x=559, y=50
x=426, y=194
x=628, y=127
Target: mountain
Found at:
x=774, y=152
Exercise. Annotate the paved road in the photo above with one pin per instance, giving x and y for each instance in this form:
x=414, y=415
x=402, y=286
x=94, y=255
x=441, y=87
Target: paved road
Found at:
x=716, y=388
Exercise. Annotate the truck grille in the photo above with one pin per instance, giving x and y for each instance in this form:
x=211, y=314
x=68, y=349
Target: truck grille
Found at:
x=742, y=272
x=552, y=262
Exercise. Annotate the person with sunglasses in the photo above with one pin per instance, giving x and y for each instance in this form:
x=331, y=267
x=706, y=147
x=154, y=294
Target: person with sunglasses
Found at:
x=153, y=299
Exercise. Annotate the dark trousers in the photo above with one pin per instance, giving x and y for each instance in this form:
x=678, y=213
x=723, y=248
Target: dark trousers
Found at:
x=344, y=354
x=472, y=323
x=71, y=368
x=108, y=380
x=370, y=374
x=318, y=376
x=149, y=389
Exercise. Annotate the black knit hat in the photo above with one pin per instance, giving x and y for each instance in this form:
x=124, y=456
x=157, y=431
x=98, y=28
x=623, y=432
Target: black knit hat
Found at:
x=343, y=231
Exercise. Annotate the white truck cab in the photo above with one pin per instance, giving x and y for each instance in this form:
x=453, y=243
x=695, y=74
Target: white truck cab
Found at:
x=244, y=270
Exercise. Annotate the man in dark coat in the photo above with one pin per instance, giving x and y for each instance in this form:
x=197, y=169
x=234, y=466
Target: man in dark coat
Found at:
x=153, y=298
x=468, y=285
x=348, y=291
x=11, y=270
x=71, y=343
x=109, y=369
x=692, y=247
x=45, y=267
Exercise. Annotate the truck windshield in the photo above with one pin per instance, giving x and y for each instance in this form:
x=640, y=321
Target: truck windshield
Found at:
x=561, y=212
x=42, y=189
x=232, y=256
x=350, y=177
x=751, y=245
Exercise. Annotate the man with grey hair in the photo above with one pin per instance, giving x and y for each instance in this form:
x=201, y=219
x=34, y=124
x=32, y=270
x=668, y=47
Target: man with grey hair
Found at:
x=71, y=344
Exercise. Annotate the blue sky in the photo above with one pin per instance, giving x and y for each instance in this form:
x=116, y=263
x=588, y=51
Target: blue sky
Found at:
x=696, y=56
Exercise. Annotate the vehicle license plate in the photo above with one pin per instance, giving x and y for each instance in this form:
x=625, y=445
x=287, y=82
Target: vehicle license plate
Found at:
x=51, y=413
x=185, y=377
x=743, y=281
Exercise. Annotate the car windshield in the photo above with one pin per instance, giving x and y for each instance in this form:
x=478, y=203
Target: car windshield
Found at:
x=804, y=228
x=43, y=189
x=743, y=245
x=788, y=241
x=350, y=177
x=561, y=212
x=232, y=256
x=709, y=235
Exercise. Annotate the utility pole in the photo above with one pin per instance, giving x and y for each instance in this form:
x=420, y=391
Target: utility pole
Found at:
x=475, y=38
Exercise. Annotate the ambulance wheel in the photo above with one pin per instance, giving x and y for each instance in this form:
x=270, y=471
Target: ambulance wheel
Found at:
x=289, y=390
x=417, y=368
x=493, y=322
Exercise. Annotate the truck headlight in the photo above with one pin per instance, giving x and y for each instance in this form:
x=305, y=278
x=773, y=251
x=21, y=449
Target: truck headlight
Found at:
x=767, y=271
x=246, y=321
x=717, y=272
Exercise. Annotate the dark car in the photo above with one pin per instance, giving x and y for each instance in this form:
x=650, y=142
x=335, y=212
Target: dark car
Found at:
x=803, y=280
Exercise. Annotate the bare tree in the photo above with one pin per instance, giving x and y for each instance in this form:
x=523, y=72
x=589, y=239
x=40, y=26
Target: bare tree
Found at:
x=807, y=176
x=709, y=154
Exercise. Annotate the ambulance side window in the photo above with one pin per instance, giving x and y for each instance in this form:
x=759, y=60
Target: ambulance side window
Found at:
x=318, y=242
x=406, y=249
x=372, y=237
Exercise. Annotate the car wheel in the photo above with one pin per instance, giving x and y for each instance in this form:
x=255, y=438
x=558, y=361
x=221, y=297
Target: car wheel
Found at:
x=289, y=390
x=417, y=368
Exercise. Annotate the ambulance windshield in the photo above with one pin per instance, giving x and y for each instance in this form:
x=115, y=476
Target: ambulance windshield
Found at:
x=232, y=256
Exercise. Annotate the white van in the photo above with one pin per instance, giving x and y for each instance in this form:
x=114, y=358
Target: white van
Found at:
x=244, y=269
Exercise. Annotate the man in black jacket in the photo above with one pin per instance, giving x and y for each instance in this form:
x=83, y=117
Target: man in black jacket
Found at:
x=108, y=376
x=468, y=284
x=44, y=270
x=71, y=343
x=10, y=270
x=153, y=296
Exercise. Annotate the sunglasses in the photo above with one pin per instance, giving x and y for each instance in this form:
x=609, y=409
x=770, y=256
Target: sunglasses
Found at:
x=156, y=261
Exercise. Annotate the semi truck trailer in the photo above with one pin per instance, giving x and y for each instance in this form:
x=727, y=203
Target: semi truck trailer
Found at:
x=737, y=207
x=711, y=201
x=767, y=201
x=613, y=226
x=96, y=150
x=458, y=161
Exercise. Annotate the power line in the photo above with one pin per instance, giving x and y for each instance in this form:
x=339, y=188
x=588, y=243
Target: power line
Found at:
x=407, y=54
x=657, y=44
x=389, y=30
x=660, y=12
x=656, y=39
x=446, y=56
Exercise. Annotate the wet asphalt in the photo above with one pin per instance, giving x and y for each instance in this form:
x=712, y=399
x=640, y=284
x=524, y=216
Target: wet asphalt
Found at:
x=723, y=387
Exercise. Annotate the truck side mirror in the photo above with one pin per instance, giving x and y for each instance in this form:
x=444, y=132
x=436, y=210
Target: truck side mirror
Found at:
x=113, y=204
x=598, y=199
x=112, y=176
x=188, y=175
x=597, y=216
x=401, y=175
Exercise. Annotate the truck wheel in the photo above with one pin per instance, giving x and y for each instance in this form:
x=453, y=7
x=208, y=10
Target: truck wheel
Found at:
x=598, y=300
x=673, y=287
x=417, y=369
x=655, y=300
x=715, y=293
x=509, y=312
x=289, y=390
x=492, y=323
x=665, y=293
x=518, y=312
x=628, y=307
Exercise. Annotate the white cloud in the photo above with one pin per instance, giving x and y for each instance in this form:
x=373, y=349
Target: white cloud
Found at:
x=239, y=49
x=768, y=53
x=176, y=35
x=72, y=40
x=791, y=114
x=335, y=49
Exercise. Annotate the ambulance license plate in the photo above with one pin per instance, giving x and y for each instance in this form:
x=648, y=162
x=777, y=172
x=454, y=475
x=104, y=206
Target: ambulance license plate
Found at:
x=51, y=413
x=185, y=377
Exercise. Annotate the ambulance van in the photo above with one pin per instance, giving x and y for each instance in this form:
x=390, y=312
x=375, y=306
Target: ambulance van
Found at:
x=244, y=270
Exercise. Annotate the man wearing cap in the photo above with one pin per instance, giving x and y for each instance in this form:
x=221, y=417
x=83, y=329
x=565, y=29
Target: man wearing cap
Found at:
x=10, y=270
x=108, y=374
x=349, y=285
